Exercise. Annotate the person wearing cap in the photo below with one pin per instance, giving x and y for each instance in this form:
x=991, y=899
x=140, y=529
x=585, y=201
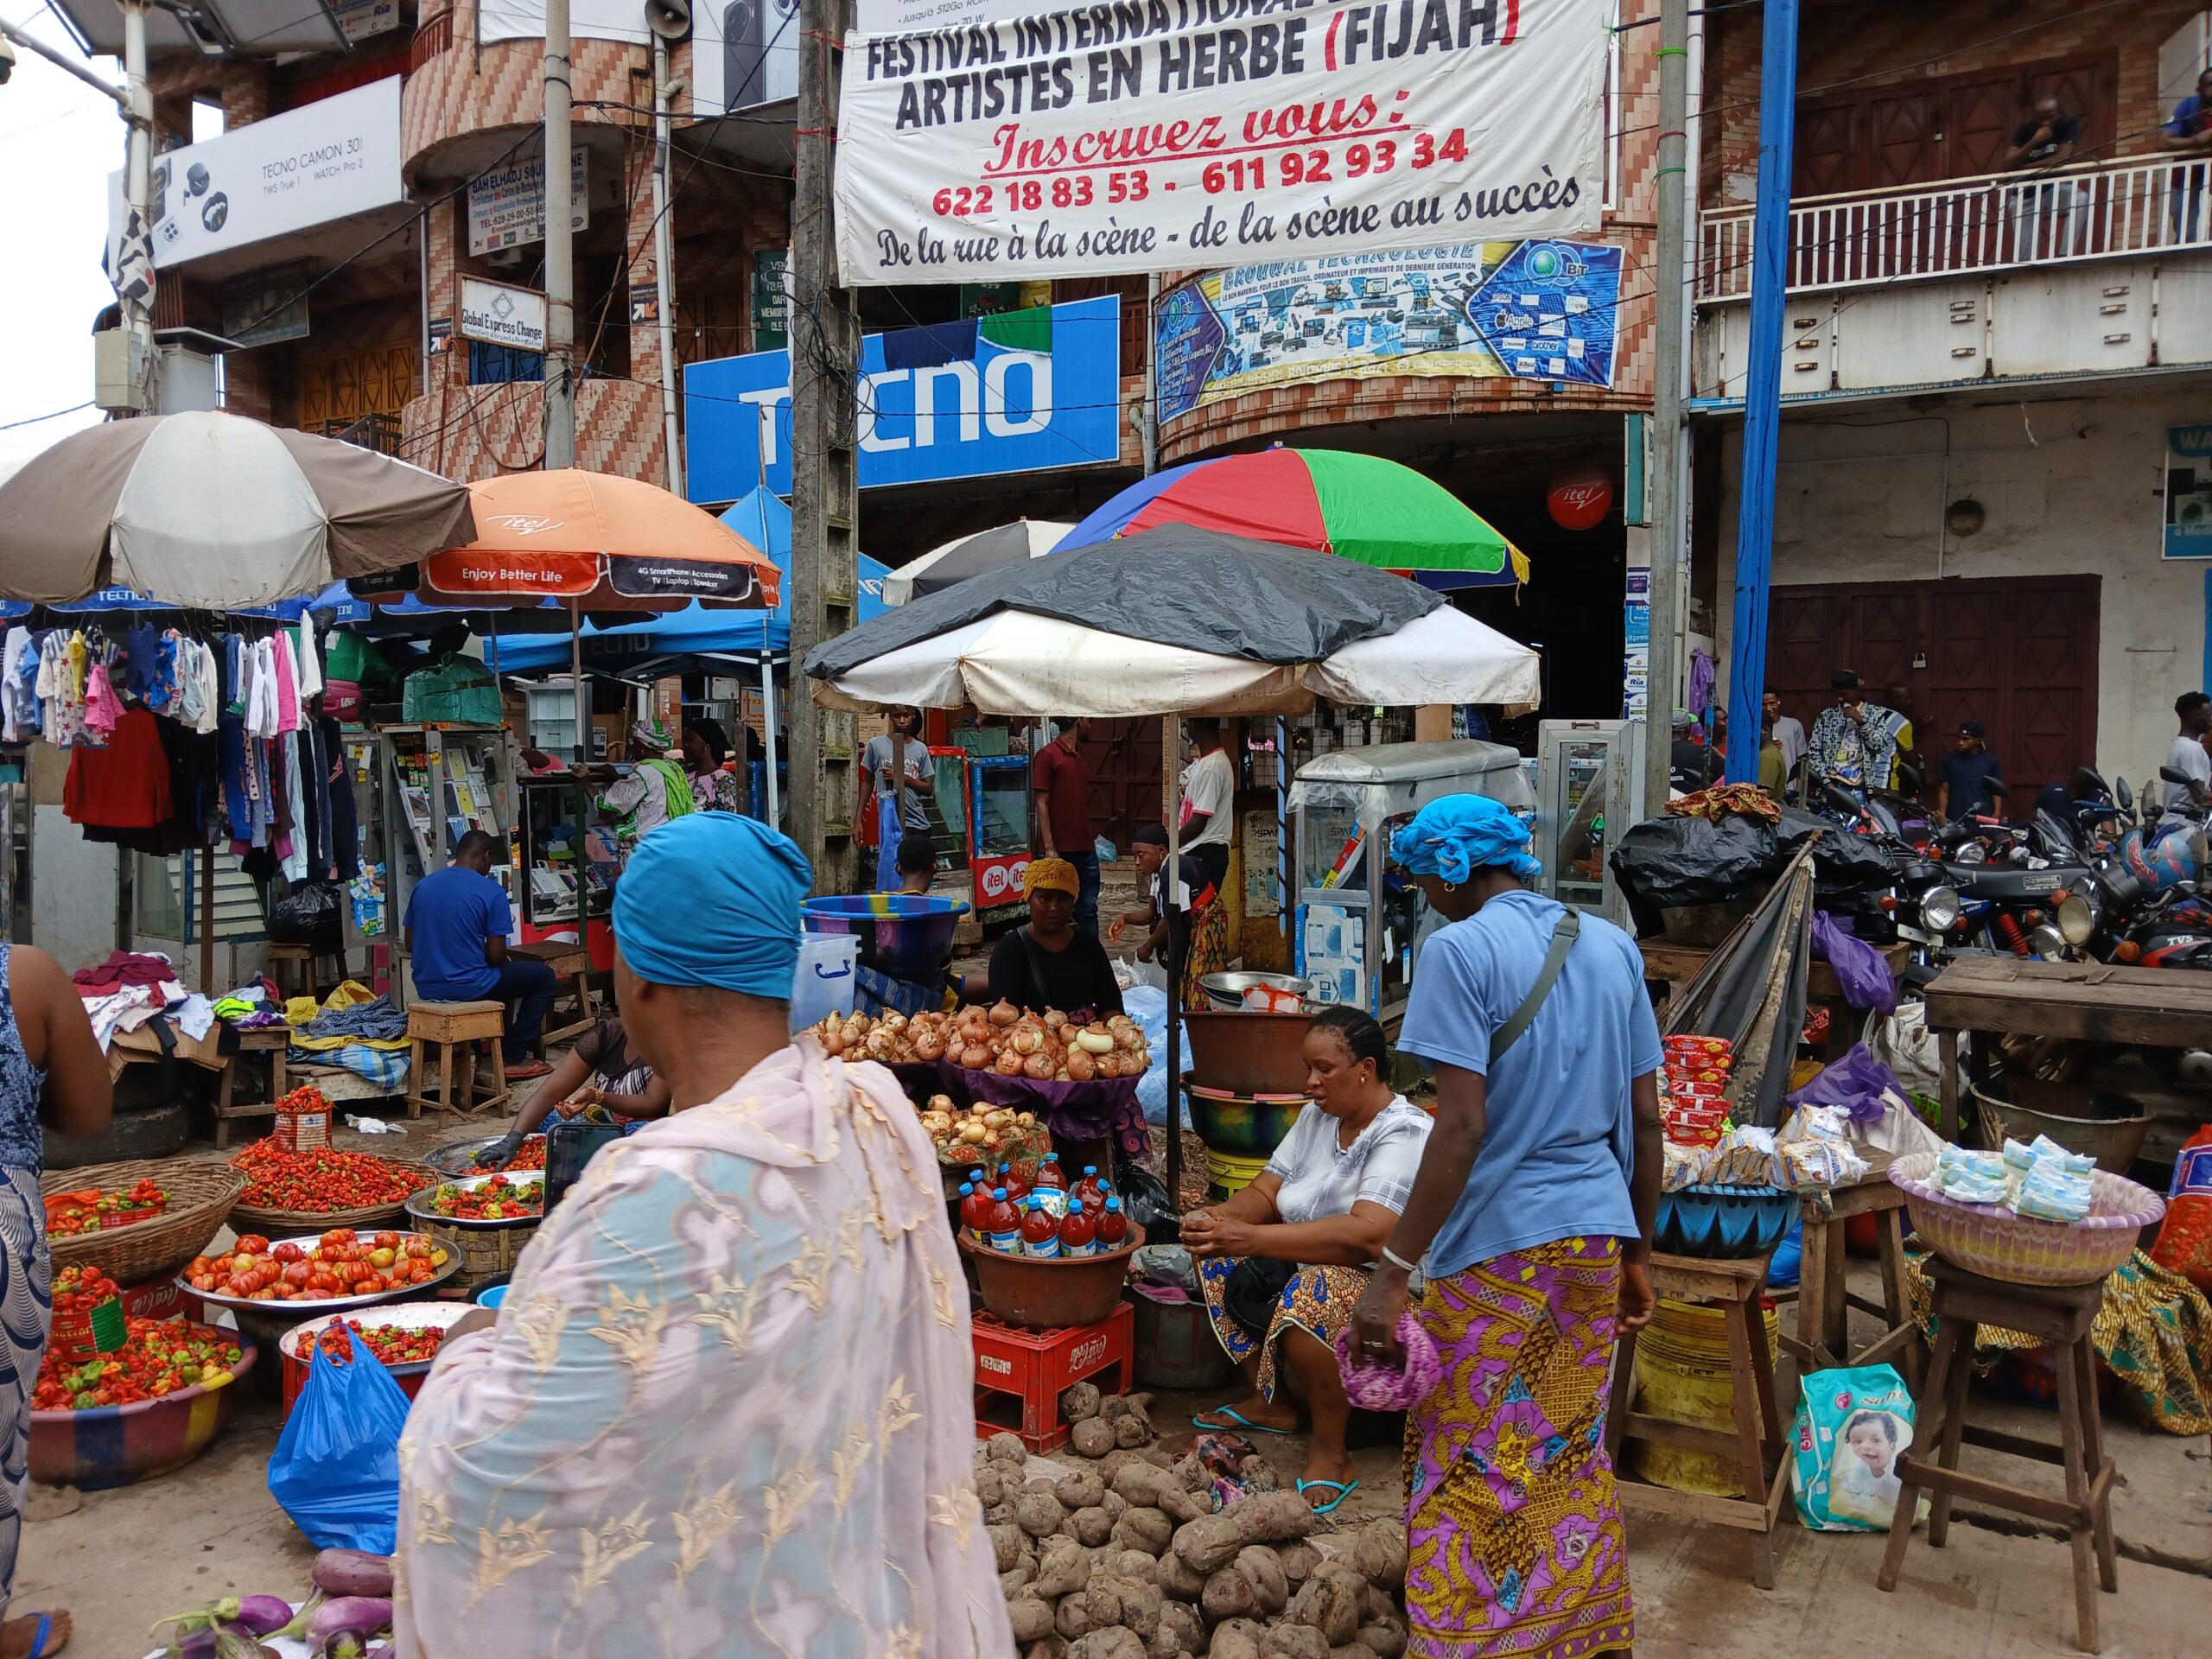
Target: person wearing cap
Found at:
x=1689, y=763
x=728, y=1392
x=1971, y=781
x=2184, y=803
x=1531, y=1215
x=1186, y=933
x=1854, y=742
x=656, y=788
x=1049, y=963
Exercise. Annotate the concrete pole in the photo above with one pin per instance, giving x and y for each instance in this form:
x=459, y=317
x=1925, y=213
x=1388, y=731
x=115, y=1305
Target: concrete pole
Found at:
x=560, y=248
x=1663, y=664
x=824, y=337
x=137, y=189
x=663, y=273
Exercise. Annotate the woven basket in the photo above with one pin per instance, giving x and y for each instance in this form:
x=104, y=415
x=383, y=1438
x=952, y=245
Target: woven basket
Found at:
x=275, y=1223
x=1990, y=1240
x=485, y=1252
x=201, y=1196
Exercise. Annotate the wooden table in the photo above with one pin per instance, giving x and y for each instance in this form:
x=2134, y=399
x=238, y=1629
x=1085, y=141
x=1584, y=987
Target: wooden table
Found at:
x=571, y=962
x=2089, y=1001
x=272, y=1040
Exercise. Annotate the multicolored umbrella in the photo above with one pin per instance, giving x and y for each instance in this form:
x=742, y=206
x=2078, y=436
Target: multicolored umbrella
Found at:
x=1359, y=507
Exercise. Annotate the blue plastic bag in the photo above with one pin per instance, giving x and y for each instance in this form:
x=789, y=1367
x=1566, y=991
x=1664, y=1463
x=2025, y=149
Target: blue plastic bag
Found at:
x=1147, y=1005
x=335, y=1470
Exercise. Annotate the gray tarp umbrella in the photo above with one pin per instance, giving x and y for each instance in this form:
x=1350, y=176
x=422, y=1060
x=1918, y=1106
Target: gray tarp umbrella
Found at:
x=214, y=511
x=972, y=556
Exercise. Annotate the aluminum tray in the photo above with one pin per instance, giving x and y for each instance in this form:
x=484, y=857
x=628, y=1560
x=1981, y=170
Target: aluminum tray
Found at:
x=302, y=1305
x=458, y=1158
x=471, y=1223
x=440, y=1316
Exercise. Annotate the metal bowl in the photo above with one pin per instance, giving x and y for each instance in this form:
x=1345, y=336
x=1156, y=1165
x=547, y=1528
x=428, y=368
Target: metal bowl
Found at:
x=292, y=1311
x=418, y=1205
x=458, y=1158
x=2106, y=1126
x=1226, y=991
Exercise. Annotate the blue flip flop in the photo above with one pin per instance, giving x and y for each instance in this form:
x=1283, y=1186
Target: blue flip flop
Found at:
x=1343, y=1488
x=1235, y=1417
x=38, y=1641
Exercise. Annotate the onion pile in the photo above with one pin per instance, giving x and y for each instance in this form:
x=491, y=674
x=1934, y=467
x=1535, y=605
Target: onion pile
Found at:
x=1043, y=1048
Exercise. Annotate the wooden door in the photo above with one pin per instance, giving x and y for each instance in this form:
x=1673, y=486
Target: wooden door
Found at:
x=1905, y=132
x=1984, y=110
x=1126, y=782
x=1826, y=159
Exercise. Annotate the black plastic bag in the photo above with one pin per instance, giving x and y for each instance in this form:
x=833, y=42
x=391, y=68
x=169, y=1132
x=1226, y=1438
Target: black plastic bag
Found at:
x=1667, y=862
x=1842, y=862
x=1144, y=1198
x=306, y=915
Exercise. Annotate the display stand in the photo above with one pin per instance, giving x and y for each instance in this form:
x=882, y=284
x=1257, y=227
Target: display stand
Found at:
x=1824, y=1303
x=1758, y=1434
x=438, y=783
x=272, y=1040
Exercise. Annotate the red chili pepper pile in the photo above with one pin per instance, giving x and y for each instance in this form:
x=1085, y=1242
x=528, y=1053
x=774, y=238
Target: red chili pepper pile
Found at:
x=305, y=1098
x=395, y=1345
x=79, y=1289
x=341, y=1263
x=322, y=1181
x=497, y=1199
x=91, y=1209
x=531, y=1156
x=159, y=1357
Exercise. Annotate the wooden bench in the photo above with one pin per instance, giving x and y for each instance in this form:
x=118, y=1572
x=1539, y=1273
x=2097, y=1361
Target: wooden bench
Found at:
x=573, y=964
x=305, y=962
x=1824, y=1304
x=272, y=1040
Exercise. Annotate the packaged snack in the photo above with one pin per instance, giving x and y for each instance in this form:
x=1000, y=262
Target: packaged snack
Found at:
x=1690, y=1043
x=1684, y=1166
x=2184, y=1242
x=1745, y=1157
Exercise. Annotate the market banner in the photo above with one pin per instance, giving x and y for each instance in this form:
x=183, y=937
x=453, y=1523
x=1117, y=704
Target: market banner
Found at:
x=1539, y=310
x=1152, y=135
x=2189, y=492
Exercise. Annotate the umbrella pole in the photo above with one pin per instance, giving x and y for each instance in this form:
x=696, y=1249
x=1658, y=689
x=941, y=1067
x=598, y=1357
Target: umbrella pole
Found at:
x=207, y=919
x=583, y=791
x=768, y=737
x=1175, y=735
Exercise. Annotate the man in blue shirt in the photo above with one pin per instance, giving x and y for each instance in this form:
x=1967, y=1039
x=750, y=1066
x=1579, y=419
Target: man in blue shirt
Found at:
x=1533, y=1207
x=2189, y=136
x=1971, y=783
x=457, y=924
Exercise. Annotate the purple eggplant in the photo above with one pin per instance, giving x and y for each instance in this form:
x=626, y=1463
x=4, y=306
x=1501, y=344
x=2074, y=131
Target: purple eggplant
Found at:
x=364, y=1616
x=353, y=1573
x=262, y=1615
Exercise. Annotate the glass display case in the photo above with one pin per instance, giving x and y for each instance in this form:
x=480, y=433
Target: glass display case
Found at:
x=1360, y=924
x=1589, y=788
x=980, y=820
x=552, y=876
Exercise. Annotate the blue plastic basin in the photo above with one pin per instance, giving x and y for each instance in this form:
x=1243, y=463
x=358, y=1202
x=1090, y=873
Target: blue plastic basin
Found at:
x=903, y=935
x=491, y=1296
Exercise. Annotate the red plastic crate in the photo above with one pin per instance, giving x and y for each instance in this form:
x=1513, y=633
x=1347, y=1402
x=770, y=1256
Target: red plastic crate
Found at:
x=1019, y=1373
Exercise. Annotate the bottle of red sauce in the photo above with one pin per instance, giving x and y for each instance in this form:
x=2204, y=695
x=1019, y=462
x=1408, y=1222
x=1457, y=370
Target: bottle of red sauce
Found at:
x=1078, y=1232
x=1113, y=1228
x=975, y=1209
x=1002, y=1224
x=1049, y=1179
x=1086, y=1190
x=1016, y=1188
x=1041, y=1233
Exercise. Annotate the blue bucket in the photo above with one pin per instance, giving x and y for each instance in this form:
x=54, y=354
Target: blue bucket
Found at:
x=903, y=935
x=491, y=1296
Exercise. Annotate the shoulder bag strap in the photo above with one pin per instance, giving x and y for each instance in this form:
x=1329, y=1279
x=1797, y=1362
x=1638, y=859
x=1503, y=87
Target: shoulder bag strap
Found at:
x=1563, y=937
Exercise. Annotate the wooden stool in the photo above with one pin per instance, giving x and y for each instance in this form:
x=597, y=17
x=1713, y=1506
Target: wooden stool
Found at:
x=1823, y=1338
x=1757, y=1435
x=571, y=962
x=451, y=1025
x=272, y=1040
x=2062, y=1315
x=307, y=960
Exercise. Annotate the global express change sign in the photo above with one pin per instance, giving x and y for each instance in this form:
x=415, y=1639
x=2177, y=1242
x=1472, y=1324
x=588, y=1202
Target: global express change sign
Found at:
x=1144, y=134
x=1538, y=310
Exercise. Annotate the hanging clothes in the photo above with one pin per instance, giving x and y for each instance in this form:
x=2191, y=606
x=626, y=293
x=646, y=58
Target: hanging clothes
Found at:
x=123, y=785
x=261, y=690
x=288, y=682
x=304, y=654
x=103, y=707
x=18, y=712
x=345, y=830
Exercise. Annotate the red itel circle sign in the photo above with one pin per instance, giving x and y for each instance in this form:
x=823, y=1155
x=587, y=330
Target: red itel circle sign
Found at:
x=1581, y=502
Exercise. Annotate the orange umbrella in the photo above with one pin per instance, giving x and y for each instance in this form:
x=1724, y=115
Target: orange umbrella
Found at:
x=601, y=542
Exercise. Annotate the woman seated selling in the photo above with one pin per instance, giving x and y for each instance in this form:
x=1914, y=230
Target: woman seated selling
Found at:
x=601, y=1070
x=1283, y=1262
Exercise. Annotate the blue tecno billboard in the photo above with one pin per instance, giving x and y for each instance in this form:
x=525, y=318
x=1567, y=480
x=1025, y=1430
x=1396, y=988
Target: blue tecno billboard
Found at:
x=1020, y=392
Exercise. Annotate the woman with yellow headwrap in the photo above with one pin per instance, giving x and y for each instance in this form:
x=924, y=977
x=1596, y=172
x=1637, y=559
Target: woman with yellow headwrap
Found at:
x=1048, y=963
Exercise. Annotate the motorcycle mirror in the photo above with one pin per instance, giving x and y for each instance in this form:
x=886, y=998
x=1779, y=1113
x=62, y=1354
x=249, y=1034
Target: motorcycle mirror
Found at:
x=2123, y=794
x=2173, y=777
x=1841, y=800
x=1908, y=778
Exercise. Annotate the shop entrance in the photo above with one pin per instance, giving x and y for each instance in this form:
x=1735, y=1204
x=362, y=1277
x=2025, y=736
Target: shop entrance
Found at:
x=1571, y=607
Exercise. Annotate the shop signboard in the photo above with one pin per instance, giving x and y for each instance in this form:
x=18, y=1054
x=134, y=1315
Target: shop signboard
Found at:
x=1021, y=392
x=998, y=877
x=269, y=307
x=772, y=299
x=744, y=52
x=2189, y=492
x=506, y=206
x=1541, y=310
x=499, y=313
x=330, y=160
x=1126, y=139
x=361, y=20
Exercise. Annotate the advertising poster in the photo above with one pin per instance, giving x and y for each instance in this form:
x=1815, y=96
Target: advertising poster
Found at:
x=1541, y=310
x=2189, y=492
x=744, y=52
x=1178, y=133
x=506, y=206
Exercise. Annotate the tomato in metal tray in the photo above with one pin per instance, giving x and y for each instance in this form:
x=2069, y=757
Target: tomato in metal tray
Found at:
x=341, y=1263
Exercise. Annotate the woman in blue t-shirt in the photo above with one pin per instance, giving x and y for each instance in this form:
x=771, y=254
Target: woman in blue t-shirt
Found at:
x=1533, y=1207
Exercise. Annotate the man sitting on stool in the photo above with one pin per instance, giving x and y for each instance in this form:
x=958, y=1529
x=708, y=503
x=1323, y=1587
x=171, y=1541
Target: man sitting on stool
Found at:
x=457, y=925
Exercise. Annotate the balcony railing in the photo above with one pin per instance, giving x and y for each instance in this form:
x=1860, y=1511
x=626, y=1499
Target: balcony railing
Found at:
x=2000, y=222
x=433, y=35
x=376, y=431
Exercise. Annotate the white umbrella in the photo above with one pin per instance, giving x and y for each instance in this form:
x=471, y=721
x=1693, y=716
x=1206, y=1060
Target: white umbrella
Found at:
x=971, y=556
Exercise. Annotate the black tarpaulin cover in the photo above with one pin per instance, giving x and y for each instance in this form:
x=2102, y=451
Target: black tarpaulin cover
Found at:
x=1177, y=585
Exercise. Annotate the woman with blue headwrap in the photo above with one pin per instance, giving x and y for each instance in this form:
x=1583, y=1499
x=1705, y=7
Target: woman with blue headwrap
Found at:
x=725, y=1404
x=1533, y=1207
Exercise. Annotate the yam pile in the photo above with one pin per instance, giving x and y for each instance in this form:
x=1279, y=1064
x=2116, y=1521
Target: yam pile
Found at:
x=1126, y=1558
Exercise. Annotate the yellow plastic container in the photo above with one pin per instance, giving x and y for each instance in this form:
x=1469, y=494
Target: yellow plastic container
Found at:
x=1228, y=1174
x=1682, y=1375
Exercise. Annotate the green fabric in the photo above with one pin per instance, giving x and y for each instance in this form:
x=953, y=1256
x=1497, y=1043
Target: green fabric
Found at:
x=1020, y=331
x=1393, y=518
x=675, y=781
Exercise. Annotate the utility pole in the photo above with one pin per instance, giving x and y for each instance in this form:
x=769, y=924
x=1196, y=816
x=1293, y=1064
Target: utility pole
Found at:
x=137, y=187
x=1662, y=655
x=824, y=345
x=664, y=274
x=560, y=249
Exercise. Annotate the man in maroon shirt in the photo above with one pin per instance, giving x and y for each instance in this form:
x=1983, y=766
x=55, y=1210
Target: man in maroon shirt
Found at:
x=1060, y=774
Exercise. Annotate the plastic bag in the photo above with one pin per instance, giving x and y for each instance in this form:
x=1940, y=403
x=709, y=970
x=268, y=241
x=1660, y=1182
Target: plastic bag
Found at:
x=1858, y=1083
x=1860, y=967
x=1668, y=862
x=1852, y=1427
x=2185, y=1243
x=1147, y=1005
x=306, y=915
x=1144, y=1196
x=1902, y=1041
x=335, y=1470
x=1130, y=973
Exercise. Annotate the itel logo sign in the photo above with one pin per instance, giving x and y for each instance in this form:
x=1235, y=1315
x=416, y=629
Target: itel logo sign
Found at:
x=1001, y=880
x=526, y=523
x=1581, y=502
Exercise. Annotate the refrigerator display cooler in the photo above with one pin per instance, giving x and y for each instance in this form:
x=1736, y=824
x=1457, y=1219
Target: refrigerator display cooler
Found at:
x=1360, y=924
x=1589, y=788
x=553, y=877
x=980, y=820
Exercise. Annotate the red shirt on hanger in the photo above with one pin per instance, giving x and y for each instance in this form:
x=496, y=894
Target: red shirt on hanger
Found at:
x=125, y=785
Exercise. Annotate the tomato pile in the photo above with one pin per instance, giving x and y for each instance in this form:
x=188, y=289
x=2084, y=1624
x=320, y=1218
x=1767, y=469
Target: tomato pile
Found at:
x=395, y=1345
x=159, y=1356
x=497, y=1200
x=532, y=1155
x=79, y=1289
x=321, y=1180
x=91, y=1210
x=341, y=1263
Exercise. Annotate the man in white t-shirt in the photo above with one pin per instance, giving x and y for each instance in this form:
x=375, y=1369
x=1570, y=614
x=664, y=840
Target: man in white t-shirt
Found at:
x=1209, y=801
x=2186, y=755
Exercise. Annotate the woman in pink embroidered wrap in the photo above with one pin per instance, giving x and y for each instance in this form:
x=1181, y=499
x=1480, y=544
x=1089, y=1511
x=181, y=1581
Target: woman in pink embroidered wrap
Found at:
x=725, y=1408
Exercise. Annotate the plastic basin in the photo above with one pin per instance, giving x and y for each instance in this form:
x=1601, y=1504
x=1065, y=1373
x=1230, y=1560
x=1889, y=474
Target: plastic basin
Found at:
x=1045, y=1292
x=1723, y=1222
x=1249, y=1126
x=1990, y=1240
x=115, y=1445
x=1248, y=1053
x=902, y=934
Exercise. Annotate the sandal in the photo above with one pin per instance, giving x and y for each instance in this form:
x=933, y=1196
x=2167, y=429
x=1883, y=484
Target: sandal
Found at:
x=1237, y=1419
x=38, y=1637
x=1343, y=1488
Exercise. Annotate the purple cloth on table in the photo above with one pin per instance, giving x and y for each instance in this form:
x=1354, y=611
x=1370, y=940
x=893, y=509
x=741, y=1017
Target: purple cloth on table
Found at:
x=1069, y=1112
